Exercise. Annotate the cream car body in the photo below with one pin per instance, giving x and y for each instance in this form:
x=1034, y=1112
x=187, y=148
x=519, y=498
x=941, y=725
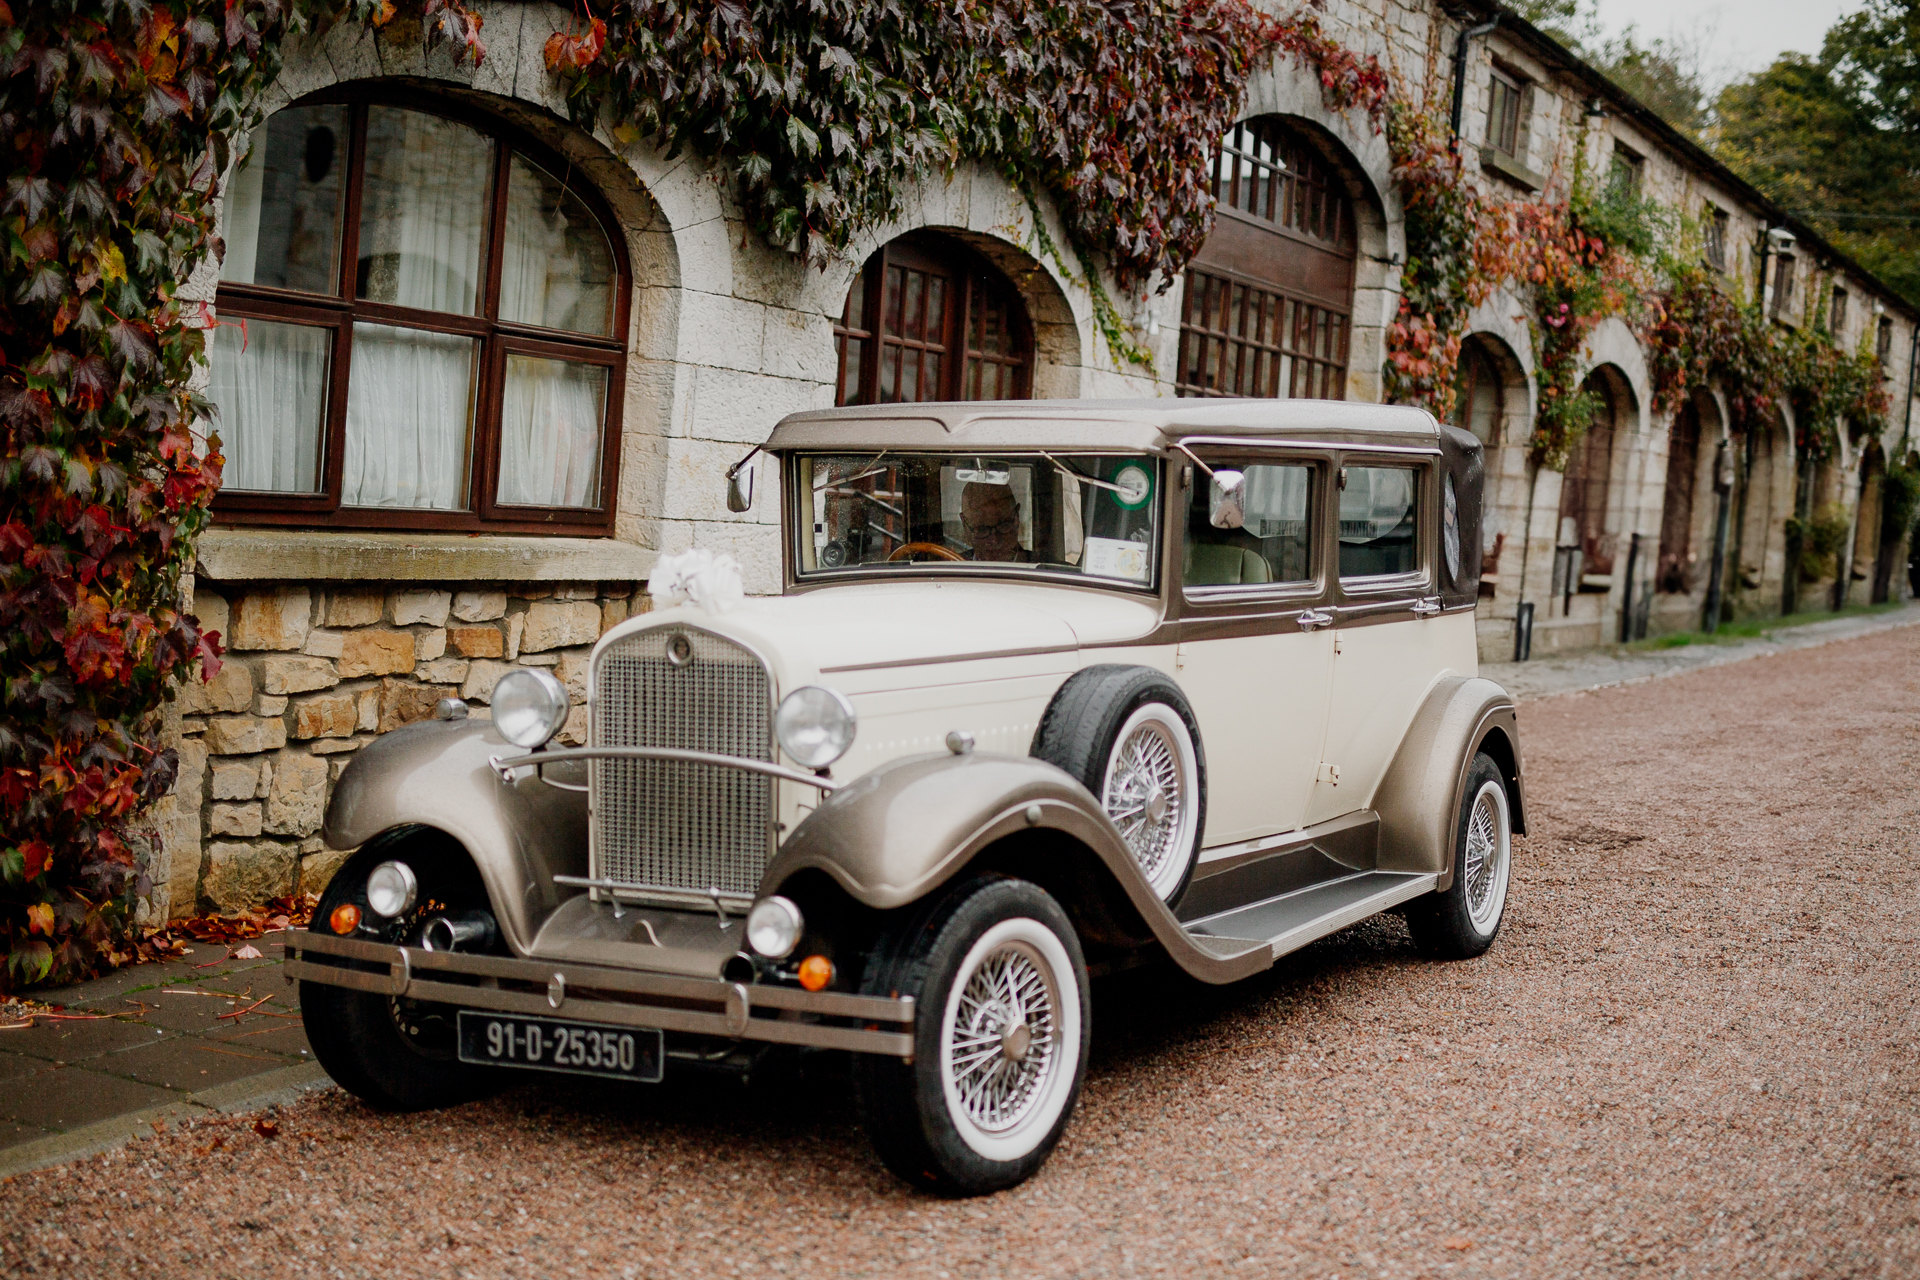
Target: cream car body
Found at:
x=1194, y=679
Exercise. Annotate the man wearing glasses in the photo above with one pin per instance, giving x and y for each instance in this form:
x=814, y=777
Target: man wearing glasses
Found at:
x=991, y=517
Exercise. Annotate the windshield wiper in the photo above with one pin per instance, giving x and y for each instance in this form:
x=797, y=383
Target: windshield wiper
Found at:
x=1075, y=475
x=871, y=471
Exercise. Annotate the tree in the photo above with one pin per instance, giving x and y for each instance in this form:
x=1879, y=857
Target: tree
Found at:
x=1665, y=73
x=1836, y=138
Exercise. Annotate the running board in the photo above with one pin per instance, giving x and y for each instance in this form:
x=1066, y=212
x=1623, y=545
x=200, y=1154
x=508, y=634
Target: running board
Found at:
x=1292, y=920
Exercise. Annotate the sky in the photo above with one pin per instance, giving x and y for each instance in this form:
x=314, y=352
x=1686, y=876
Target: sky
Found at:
x=1742, y=36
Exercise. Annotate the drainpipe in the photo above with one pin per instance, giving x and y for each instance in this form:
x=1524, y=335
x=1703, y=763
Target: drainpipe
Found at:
x=1913, y=348
x=1466, y=36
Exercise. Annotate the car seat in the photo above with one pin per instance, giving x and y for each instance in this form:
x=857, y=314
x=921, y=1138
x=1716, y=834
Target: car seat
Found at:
x=1215, y=564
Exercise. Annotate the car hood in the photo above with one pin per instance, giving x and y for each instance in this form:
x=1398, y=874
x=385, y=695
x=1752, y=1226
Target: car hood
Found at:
x=850, y=635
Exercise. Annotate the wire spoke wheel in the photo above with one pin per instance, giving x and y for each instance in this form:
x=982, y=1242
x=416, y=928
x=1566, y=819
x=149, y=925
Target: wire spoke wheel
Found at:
x=1148, y=793
x=1484, y=865
x=1002, y=1046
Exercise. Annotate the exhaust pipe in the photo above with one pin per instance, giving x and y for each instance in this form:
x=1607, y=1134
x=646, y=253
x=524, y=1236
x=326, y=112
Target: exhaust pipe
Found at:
x=460, y=931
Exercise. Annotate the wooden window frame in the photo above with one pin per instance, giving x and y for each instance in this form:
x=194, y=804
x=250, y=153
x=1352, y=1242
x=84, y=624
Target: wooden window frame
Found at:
x=960, y=326
x=1503, y=134
x=1718, y=224
x=496, y=338
x=1837, y=311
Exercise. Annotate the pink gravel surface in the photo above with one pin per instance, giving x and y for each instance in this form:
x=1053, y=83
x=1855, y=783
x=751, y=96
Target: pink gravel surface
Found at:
x=1691, y=1052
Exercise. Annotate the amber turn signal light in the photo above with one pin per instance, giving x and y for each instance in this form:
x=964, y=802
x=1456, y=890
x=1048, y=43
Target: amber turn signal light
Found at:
x=345, y=918
x=816, y=972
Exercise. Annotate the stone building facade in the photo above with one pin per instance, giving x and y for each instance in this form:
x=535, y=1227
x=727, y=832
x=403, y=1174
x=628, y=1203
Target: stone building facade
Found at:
x=478, y=367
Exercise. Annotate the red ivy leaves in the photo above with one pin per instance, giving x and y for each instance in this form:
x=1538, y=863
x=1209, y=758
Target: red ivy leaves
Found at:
x=576, y=50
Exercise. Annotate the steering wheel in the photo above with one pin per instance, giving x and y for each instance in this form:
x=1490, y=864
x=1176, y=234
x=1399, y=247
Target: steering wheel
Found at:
x=930, y=548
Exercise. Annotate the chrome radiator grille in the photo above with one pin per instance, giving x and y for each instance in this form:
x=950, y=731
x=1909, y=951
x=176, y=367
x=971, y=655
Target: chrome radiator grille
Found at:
x=667, y=823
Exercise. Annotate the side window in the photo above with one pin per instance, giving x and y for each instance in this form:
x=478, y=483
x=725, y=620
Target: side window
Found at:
x=1274, y=544
x=1379, y=529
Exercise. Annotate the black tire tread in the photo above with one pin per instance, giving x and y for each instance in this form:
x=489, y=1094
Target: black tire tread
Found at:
x=1439, y=923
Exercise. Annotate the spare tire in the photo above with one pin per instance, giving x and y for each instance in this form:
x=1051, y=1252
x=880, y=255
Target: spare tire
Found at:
x=1127, y=734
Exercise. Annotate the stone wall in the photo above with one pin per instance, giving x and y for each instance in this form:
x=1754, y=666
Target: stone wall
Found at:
x=315, y=672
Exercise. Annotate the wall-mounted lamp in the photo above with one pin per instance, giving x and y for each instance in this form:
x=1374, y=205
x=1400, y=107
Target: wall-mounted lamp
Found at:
x=1596, y=109
x=1781, y=239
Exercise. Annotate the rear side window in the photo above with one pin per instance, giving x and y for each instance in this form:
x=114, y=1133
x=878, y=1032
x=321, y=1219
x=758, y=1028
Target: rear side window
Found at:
x=1379, y=522
x=1273, y=545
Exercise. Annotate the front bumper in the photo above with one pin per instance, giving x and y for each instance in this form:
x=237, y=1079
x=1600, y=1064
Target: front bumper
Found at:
x=601, y=993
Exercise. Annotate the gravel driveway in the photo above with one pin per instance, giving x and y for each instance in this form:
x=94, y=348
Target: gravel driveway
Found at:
x=1692, y=1052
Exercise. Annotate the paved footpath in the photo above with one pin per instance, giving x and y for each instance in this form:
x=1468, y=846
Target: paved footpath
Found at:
x=177, y=1043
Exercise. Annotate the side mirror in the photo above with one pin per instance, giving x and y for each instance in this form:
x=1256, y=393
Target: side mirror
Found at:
x=740, y=488
x=1226, y=505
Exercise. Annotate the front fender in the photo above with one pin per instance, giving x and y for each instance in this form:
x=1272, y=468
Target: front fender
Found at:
x=1419, y=798
x=435, y=774
x=901, y=831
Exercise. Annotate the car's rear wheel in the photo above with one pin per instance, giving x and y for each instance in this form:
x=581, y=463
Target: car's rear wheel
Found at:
x=1462, y=921
x=393, y=1052
x=1000, y=1043
x=1128, y=735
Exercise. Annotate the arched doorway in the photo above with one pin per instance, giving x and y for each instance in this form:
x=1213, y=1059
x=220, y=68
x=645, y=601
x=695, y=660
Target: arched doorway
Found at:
x=1480, y=393
x=930, y=319
x=1674, y=574
x=1866, y=530
x=1586, y=485
x=1268, y=304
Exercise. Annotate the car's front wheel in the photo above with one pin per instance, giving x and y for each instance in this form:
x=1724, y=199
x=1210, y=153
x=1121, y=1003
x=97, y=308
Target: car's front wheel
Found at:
x=1000, y=1041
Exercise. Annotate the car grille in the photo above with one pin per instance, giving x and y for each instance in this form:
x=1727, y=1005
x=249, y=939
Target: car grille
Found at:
x=669, y=823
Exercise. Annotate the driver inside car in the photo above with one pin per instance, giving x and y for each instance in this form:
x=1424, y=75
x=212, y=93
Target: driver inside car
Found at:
x=990, y=515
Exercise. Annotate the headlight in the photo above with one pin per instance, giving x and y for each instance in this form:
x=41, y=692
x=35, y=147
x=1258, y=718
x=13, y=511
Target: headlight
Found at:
x=391, y=888
x=773, y=927
x=529, y=707
x=815, y=726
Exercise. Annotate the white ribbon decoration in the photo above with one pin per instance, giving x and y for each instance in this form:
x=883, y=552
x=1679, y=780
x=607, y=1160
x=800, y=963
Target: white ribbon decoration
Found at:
x=697, y=576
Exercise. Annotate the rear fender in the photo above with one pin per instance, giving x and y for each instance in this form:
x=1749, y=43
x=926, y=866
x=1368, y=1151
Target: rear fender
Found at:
x=1419, y=798
x=896, y=834
x=520, y=834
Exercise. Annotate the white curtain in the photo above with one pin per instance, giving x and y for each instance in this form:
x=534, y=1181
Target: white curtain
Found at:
x=552, y=420
x=426, y=202
x=273, y=399
x=409, y=403
x=556, y=269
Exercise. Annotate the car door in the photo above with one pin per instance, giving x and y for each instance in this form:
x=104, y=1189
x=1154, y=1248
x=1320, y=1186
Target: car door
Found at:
x=1254, y=655
x=1384, y=656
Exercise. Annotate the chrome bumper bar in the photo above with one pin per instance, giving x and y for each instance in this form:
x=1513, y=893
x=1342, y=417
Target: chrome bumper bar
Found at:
x=621, y=997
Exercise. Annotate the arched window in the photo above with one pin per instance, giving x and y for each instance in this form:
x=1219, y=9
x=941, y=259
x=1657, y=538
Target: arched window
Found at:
x=1479, y=393
x=1584, y=490
x=929, y=319
x=1269, y=299
x=421, y=319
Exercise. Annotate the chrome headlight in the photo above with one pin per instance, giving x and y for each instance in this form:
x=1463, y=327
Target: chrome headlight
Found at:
x=391, y=889
x=529, y=707
x=773, y=927
x=815, y=726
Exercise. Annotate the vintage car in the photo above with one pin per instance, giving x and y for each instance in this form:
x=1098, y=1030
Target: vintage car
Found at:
x=1052, y=689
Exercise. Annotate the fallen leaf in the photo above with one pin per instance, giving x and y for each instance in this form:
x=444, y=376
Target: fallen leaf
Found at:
x=1456, y=1243
x=266, y=1128
x=218, y=1142
x=248, y=952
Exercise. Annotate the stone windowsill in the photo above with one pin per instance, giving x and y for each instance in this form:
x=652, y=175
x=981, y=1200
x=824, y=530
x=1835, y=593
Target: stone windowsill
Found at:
x=243, y=555
x=1506, y=166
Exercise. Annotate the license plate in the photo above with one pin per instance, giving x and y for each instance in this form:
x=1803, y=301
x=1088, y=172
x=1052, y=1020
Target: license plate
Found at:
x=549, y=1044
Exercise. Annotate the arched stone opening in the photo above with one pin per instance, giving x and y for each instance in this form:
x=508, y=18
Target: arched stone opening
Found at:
x=1493, y=400
x=1864, y=579
x=1268, y=306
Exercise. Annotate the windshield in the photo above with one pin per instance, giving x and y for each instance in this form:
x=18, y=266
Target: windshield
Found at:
x=1092, y=515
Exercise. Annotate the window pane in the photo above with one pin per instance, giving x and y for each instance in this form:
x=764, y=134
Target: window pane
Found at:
x=1274, y=544
x=557, y=270
x=424, y=211
x=552, y=421
x=270, y=381
x=409, y=410
x=1377, y=530
x=282, y=205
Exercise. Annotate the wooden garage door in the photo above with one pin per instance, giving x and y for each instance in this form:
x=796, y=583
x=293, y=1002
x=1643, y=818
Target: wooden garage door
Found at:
x=1269, y=299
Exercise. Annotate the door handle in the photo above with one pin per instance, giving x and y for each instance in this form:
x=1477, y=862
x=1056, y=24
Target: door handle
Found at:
x=1426, y=608
x=1313, y=618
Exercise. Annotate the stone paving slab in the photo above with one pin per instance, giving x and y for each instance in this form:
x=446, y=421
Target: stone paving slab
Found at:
x=1619, y=665
x=157, y=1048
